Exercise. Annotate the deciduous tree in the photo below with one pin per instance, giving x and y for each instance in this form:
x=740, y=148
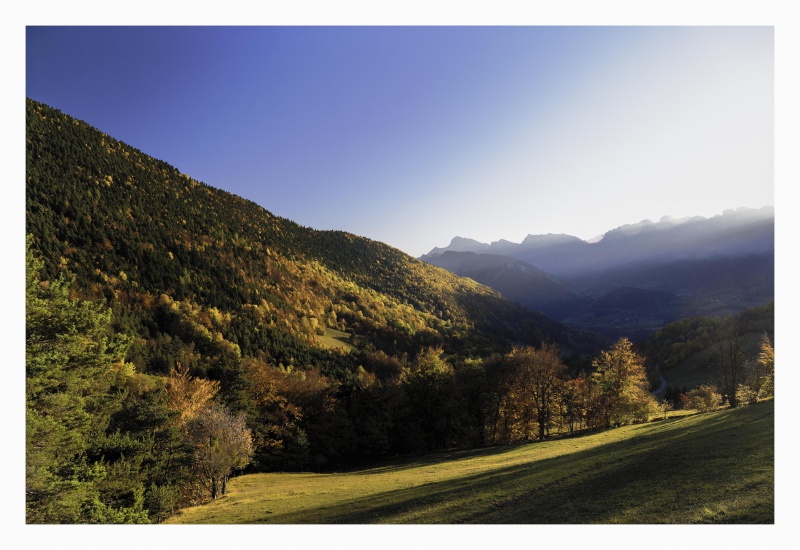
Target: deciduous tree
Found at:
x=540, y=373
x=222, y=443
x=729, y=361
x=621, y=378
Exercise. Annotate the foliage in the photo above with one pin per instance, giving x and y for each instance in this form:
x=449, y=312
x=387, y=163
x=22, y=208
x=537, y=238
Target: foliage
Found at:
x=222, y=443
x=624, y=391
x=69, y=401
x=766, y=373
x=173, y=337
x=703, y=398
x=188, y=396
x=539, y=374
x=680, y=340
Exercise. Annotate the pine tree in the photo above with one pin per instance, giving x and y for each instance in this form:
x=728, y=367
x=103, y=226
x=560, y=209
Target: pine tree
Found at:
x=68, y=359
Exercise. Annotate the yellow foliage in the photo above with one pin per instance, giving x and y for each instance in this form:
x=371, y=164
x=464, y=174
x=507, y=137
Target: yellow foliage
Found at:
x=187, y=395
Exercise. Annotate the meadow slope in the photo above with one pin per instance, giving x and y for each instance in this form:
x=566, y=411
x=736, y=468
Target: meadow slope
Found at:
x=706, y=468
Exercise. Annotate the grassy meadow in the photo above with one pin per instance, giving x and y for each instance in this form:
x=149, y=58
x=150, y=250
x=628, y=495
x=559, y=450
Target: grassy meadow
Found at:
x=706, y=468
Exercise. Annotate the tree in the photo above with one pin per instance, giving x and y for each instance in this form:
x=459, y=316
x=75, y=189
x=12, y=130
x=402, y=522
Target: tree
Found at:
x=188, y=396
x=729, y=361
x=575, y=401
x=69, y=399
x=766, y=363
x=275, y=420
x=222, y=443
x=622, y=380
x=540, y=375
x=428, y=414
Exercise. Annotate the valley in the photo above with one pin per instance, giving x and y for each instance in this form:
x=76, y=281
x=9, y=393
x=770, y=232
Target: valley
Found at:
x=179, y=335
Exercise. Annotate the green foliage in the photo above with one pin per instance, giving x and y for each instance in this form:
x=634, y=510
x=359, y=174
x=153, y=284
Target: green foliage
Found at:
x=69, y=402
x=195, y=276
x=134, y=230
x=676, y=342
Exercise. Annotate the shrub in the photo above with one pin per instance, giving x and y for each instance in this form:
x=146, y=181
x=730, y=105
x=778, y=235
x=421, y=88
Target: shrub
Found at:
x=746, y=395
x=703, y=398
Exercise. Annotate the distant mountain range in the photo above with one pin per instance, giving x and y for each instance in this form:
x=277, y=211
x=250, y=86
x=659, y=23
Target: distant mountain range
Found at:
x=637, y=277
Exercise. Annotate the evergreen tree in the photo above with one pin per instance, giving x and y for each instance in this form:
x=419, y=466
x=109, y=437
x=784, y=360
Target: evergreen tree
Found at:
x=69, y=356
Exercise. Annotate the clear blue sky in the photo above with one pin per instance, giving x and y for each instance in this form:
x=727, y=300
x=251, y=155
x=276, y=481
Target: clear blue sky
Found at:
x=412, y=135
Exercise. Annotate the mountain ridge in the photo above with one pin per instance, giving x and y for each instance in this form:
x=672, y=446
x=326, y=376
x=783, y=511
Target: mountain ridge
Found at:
x=713, y=266
x=467, y=244
x=176, y=257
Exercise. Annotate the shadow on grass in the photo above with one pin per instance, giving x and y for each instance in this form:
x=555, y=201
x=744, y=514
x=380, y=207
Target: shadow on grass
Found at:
x=720, y=470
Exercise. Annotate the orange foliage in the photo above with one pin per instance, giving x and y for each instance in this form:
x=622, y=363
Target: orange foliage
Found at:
x=187, y=395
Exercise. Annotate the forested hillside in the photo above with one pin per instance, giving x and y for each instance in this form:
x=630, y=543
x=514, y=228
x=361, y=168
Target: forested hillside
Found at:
x=140, y=234
x=726, y=352
x=326, y=347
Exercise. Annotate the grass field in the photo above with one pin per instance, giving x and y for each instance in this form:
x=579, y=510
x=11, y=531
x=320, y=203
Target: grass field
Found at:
x=711, y=468
x=334, y=339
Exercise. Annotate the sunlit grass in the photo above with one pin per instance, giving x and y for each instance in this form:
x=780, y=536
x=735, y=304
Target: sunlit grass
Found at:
x=711, y=468
x=333, y=339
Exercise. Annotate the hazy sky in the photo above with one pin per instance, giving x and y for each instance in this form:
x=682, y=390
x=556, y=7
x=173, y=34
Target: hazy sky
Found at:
x=412, y=135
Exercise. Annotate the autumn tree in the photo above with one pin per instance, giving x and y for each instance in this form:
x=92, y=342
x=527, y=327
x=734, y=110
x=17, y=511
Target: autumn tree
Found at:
x=188, y=396
x=278, y=438
x=540, y=373
x=428, y=411
x=222, y=443
x=622, y=380
x=574, y=397
x=729, y=362
x=501, y=409
x=766, y=363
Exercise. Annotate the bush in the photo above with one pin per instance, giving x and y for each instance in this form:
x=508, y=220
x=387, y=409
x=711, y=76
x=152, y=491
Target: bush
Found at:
x=746, y=395
x=703, y=398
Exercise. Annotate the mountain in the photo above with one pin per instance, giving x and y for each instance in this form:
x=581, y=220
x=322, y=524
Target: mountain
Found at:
x=712, y=266
x=516, y=280
x=197, y=273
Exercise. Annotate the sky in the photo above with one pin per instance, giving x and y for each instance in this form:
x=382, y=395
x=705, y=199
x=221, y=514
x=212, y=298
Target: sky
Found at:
x=413, y=135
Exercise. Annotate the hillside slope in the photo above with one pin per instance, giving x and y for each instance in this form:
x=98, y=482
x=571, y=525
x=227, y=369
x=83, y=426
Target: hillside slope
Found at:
x=182, y=263
x=711, y=468
x=516, y=280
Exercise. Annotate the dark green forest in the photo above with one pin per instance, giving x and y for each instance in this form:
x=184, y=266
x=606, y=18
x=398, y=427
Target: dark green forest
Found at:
x=177, y=334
